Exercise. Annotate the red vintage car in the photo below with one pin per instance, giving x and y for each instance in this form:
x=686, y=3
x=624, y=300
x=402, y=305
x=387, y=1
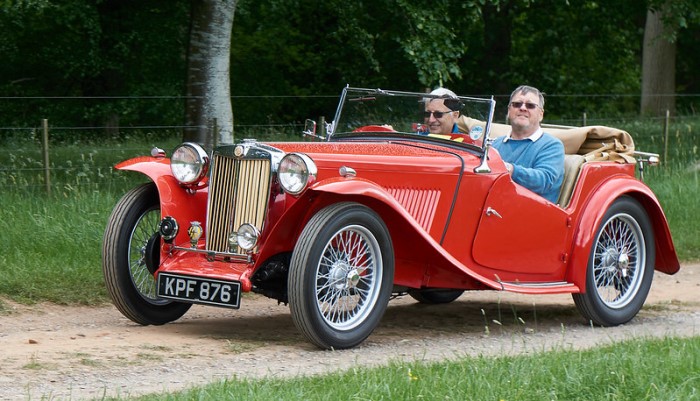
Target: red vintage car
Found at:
x=371, y=206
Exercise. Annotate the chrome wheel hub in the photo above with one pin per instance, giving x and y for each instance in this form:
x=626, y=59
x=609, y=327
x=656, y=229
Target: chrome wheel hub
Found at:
x=620, y=258
x=343, y=276
x=348, y=277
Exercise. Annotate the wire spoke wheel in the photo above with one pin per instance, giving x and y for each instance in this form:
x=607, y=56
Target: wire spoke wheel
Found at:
x=347, y=277
x=130, y=258
x=341, y=275
x=620, y=267
x=141, y=244
x=619, y=261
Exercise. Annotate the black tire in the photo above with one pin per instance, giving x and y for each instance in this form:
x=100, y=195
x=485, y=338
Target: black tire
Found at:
x=434, y=297
x=620, y=266
x=130, y=254
x=341, y=276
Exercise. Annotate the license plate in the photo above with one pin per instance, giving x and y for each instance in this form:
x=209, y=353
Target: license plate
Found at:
x=199, y=290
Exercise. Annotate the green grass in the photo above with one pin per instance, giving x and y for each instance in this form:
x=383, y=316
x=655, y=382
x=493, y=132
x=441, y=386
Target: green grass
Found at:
x=652, y=369
x=54, y=247
x=678, y=191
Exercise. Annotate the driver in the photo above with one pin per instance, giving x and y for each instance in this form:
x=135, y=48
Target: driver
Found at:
x=533, y=158
x=441, y=113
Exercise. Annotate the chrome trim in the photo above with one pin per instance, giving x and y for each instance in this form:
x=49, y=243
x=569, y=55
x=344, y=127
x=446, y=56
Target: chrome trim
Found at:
x=203, y=162
x=651, y=159
x=232, y=257
x=540, y=284
x=346, y=171
x=492, y=212
x=158, y=153
x=239, y=192
x=483, y=167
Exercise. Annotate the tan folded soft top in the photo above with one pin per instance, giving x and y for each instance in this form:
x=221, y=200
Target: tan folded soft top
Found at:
x=595, y=143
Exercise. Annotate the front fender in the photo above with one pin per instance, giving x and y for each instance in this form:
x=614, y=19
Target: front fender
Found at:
x=412, y=244
x=592, y=215
x=175, y=201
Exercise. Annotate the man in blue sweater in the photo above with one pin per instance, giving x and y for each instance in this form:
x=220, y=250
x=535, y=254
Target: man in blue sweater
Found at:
x=533, y=158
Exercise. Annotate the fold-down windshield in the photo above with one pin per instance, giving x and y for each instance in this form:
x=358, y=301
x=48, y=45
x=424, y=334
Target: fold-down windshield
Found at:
x=374, y=110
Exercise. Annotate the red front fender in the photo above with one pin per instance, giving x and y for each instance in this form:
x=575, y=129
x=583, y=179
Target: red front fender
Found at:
x=413, y=246
x=592, y=215
x=175, y=201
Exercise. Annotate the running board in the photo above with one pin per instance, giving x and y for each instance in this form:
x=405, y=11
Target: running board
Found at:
x=544, y=287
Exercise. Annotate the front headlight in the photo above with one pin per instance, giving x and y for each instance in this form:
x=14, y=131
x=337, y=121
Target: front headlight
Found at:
x=295, y=172
x=189, y=163
x=247, y=236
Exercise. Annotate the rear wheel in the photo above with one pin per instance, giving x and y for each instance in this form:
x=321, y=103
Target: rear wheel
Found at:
x=130, y=256
x=620, y=267
x=341, y=276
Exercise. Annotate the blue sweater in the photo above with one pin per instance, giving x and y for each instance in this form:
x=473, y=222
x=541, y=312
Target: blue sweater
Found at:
x=537, y=165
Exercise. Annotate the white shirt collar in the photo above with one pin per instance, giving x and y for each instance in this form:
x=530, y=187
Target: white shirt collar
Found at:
x=534, y=137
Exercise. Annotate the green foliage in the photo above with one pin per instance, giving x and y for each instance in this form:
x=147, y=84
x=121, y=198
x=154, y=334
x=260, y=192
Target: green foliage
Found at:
x=67, y=53
x=109, y=63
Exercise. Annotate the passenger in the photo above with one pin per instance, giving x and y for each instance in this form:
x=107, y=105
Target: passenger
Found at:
x=441, y=113
x=533, y=158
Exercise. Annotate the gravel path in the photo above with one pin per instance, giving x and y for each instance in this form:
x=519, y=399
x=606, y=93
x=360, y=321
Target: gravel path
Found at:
x=75, y=353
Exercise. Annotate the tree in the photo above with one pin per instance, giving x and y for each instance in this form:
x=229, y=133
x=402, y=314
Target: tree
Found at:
x=665, y=20
x=208, y=93
x=658, y=65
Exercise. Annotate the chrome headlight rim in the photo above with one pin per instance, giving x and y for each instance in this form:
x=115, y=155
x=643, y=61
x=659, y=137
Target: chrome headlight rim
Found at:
x=247, y=236
x=296, y=172
x=189, y=164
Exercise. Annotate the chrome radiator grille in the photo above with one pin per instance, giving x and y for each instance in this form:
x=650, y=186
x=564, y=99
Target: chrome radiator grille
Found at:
x=239, y=190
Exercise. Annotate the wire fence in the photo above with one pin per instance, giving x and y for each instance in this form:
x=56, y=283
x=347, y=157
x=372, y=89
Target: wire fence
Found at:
x=39, y=157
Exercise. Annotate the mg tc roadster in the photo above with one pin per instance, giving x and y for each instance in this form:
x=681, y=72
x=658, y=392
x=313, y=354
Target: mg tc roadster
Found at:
x=373, y=205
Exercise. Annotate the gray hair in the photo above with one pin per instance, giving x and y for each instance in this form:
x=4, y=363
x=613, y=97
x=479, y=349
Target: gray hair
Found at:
x=524, y=89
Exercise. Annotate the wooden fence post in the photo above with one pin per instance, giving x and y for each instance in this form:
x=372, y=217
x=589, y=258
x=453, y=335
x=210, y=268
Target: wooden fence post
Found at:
x=45, y=150
x=322, y=126
x=666, y=124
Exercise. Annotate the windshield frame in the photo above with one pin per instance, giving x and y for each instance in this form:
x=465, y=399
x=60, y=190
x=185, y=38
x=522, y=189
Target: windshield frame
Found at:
x=488, y=104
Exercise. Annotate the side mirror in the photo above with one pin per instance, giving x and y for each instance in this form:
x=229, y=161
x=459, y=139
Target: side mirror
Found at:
x=310, y=129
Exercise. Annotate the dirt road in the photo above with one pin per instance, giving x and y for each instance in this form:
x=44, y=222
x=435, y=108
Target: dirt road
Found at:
x=76, y=353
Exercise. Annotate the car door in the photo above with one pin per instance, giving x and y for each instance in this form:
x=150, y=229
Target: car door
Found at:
x=521, y=232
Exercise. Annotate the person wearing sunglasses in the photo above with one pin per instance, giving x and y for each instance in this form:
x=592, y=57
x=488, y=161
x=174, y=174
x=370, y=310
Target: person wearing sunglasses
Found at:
x=441, y=113
x=533, y=158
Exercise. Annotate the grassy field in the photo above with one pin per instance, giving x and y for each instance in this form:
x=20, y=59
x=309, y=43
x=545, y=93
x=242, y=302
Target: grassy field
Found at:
x=628, y=370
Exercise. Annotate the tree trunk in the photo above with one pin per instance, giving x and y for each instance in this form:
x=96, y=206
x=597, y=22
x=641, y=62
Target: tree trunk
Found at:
x=498, y=25
x=208, y=114
x=658, y=67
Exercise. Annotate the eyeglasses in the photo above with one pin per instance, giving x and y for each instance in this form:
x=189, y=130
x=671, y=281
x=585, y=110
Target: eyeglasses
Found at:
x=529, y=106
x=437, y=114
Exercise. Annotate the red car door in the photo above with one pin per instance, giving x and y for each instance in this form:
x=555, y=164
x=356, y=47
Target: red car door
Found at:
x=522, y=233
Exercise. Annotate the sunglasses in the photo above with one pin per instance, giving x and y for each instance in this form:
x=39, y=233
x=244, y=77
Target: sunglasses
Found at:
x=437, y=114
x=529, y=106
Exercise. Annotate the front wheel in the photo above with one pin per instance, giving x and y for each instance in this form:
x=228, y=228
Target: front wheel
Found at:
x=341, y=276
x=620, y=267
x=130, y=255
